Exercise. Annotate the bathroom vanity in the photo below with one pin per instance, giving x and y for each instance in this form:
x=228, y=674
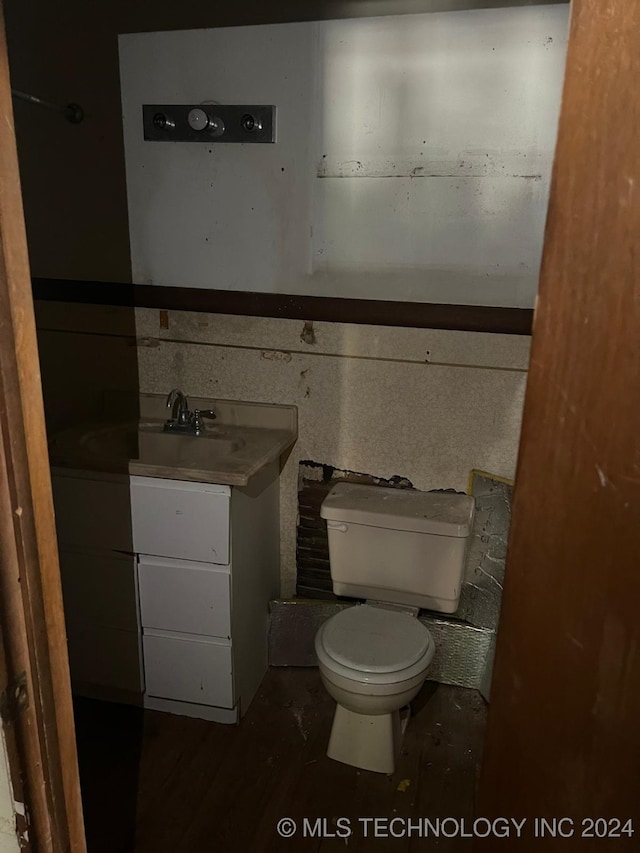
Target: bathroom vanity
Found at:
x=168, y=565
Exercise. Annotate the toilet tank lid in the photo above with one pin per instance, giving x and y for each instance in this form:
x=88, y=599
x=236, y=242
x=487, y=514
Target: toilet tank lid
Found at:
x=439, y=513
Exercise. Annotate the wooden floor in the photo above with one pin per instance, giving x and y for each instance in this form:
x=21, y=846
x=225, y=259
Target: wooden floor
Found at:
x=157, y=783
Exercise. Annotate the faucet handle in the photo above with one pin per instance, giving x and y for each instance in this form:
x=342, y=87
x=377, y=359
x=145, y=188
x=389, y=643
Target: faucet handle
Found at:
x=198, y=414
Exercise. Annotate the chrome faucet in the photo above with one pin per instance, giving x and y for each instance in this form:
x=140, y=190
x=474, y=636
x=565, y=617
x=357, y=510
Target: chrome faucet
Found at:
x=177, y=402
x=183, y=421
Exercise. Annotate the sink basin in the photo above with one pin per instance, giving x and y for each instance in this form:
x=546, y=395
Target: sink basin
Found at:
x=243, y=442
x=146, y=441
x=194, y=449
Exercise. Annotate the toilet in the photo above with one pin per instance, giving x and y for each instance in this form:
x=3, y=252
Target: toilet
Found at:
x=401, y=550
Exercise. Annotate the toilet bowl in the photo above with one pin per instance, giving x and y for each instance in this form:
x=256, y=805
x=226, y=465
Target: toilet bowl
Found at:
x=373, y=662
x=400, y=550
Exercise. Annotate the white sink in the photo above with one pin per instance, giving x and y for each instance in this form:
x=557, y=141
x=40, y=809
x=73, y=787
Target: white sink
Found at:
x=230, y=450
x=147, y=440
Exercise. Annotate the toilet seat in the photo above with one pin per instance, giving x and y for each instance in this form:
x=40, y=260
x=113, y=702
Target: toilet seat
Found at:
x=373, y=645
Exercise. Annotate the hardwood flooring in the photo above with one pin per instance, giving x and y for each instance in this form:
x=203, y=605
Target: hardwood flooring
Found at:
x=157, y=783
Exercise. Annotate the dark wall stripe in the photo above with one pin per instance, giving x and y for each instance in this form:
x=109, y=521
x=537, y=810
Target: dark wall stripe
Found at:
x=375, y=312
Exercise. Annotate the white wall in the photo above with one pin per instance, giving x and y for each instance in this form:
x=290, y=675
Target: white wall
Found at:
x=412, y=161
x=8, y=836
x=424, y=404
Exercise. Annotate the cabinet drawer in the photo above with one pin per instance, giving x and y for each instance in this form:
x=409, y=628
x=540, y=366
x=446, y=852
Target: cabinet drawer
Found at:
x=188, y=669
x=99, y=589
x=93, y=514
x=191, y=598
x=185, y=521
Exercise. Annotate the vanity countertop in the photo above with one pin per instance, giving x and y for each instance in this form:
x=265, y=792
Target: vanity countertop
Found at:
x=232, y=449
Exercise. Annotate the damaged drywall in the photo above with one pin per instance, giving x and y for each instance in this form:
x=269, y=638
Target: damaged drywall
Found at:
x=465, y=641
x=367, y=400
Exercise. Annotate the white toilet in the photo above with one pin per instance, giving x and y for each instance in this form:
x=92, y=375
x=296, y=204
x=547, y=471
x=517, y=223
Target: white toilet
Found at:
x=401, y=550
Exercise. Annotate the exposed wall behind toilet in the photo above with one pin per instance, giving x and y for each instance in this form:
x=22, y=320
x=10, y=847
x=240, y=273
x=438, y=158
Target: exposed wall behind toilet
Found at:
x=424, y=404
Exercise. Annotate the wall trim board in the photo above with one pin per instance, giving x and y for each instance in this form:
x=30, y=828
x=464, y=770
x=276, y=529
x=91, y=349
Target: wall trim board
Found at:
x=192, y=15
x=374, y=312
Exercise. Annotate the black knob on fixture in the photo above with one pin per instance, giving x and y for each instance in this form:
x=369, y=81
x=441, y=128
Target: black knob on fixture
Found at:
x=250, y=123
x=163, y=122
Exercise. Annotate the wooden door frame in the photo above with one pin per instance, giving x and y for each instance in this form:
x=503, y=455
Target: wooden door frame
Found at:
x=35, y=699
x=563, y=739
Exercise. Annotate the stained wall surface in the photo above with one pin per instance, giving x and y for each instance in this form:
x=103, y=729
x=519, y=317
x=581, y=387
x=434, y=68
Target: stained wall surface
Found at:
x=412, y=159
x=423, y=404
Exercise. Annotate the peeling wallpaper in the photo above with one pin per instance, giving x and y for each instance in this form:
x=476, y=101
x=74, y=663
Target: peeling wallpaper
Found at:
x=424, y=404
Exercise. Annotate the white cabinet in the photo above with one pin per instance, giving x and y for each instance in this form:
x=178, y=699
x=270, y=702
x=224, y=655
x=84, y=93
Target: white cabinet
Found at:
x=188, y=521
x=166, y=588
x=183, y=596
x=192, y=669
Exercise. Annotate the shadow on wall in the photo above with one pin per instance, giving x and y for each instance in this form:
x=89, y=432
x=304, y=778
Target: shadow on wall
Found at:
x=86, y=352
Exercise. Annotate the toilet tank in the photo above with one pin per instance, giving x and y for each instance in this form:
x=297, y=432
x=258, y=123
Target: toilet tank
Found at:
x=398, y=545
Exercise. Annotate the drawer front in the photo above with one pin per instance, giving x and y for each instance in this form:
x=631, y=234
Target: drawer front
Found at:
x=188, y=669
x=99, y=589
x=184, y=521
x=93, y=514
x=105, y=656
x=191, y=598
